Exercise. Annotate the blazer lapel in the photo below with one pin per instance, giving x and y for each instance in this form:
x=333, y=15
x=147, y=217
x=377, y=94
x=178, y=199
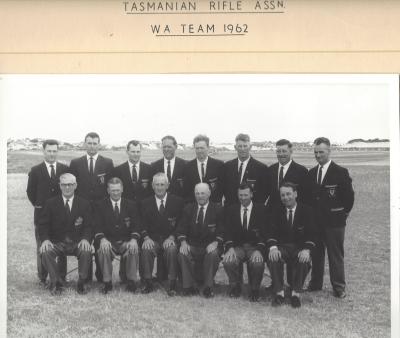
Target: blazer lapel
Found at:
x=85, y=164
x=74, y=209
x=327, y=174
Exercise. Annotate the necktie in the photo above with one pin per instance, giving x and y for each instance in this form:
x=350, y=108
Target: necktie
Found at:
x=280, y=179
x=162, y=208
x=134, y=174
x=245, y=218
x=240, y=172
x=67, y=208
x=52, y=172
x=290, y=220
x=319, y=181
x=202, y=172
x=116, y=211
x=200, y=216
x=169, y=171
x=91, y=171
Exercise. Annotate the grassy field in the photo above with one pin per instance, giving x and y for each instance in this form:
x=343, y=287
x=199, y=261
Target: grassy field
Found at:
x=364, y=313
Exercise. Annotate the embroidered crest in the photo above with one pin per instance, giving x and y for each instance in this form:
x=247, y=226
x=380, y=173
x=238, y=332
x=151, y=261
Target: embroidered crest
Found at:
x=78, y=221
x=331, y=190
x=180, y=181
x=172, y=221
x=252, y=183
x=213, y=183
x=127, y=221
x=101, y=178
x=145, y=183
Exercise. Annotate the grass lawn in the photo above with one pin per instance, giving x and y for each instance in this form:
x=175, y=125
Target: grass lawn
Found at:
x=364, y=313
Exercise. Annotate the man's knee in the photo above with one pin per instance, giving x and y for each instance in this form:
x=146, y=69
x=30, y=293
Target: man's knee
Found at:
x=257, y=265
x=171, y=251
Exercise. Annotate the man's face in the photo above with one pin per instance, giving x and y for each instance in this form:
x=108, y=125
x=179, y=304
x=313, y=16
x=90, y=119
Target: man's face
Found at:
x=284, y=154
x=50, y=153
x=202, y=194
x=168, y=148
x=134, y=153
x=322, y=153
x=67, y=186
x=92, y=145
x=288, y=196
x=245, y=196
x=243, y=149
x=115, y=191
x=201, y=150
x=160, y=186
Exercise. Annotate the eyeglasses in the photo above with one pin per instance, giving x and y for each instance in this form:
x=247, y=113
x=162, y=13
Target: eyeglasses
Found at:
x=67, y=185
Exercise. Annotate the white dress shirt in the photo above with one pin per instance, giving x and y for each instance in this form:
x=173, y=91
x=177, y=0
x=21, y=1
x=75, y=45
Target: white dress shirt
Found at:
x=204, y=210
x=94, y=160
x=70, y=201
x=249, y=208
x=171, y=164
x=137, y=168
x=199, y=167
x=285, y=169
x=293, y=212
x=49, y=169
x=324, y=170
x=117, y=202
x=243, y=168
x=158, y=201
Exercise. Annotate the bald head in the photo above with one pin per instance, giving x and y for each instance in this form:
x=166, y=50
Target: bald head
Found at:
x=202, y=193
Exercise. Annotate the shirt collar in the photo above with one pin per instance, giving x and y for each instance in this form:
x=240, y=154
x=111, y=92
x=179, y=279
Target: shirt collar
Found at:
x=244, y=162
x=131, y=164
x=70, y=199
x=172, y=160
x=326, y=165
x=94, y=156
x=159, y=199
x=204, y=206
x=293, y=209
x=113, y=202
x=205, y=161
x=286, y=165
x=249, y=207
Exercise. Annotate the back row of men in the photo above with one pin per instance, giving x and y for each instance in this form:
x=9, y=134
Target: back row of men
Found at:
x=326, y=188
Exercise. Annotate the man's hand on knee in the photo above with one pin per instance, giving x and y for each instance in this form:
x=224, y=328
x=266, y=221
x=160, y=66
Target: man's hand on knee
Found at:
x=46, y=246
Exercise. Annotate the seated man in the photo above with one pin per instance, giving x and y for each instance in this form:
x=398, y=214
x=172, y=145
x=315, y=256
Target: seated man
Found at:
x=290, y=237
x=200, y=234
x=65, y=229
x=160, y=214
x=116, y=233
x=244, y=223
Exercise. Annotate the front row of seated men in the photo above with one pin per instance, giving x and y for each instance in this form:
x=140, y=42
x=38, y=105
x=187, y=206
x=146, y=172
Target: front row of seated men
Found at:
x=192, y=237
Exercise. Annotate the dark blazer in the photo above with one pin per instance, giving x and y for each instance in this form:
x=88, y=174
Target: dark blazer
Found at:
x=92, y=187
x=41, y=187
x=159, y=227
x=135, y=191
x=296, y=174
x=256, y=174
x=236, y=235
x=176, y=184
x=56, y=226
x=123, y=228
x=302, y=233
x=212, y=229
x=334, y=198
x=214, y=178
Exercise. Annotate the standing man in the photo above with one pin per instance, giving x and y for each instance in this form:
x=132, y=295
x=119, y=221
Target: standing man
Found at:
x=171, y=165
x=134, y=174
x=200, y=235
x=92, y=172
x=245, y=169
x=43, y=183
x=160, y=213
x=286, y=170
x=244, y=228
x=332, y=198
x=290, y=239
x=203, y=169
x=65, y=228
x=117, y=230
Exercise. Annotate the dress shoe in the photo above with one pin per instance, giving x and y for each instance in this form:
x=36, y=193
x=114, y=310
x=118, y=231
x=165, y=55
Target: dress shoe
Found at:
x=131, y=286
x=43, y=283
x=313, y=288
x=56, y=289
x=80, y=288
x=171, y=288
x=148, y=286
x=295, y=301
x=339, y=293
x=235, y=291
x=190, y=291
x=278, y=300
x=254, y=296
x=208, y=292
x=106, y=288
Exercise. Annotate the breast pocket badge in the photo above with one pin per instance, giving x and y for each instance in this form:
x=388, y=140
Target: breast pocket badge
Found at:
x=127, y=222
x=212, y=227
x=78, y=222
x=213, y=182
x=180, y=181
x=102, y=178
x=252, y=183
x=331, y=189
x=145, y=183
x=172, y=221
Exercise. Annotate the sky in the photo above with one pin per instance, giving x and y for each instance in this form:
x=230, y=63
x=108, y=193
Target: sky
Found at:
x=147, y=107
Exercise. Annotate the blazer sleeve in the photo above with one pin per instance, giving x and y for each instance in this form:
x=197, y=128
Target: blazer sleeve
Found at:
x=178, y=216
x=88, y=223
x=228, y=229
x=270, y=234
x=219, y=234
x=31, y=188
x=98, y=222
x=136, y=222
x=183, y=225
x=310, y=229
x=347, y=191
x=44, y=222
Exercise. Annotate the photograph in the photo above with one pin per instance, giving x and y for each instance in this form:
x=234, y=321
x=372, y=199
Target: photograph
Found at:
x=200, y=205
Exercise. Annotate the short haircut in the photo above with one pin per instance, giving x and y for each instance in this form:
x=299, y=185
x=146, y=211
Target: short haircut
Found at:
x=284, y=142
x=242, y=137
x=50, y=142
x=289, y=185
x=162, y=175
x=244, y=186
x=200, y=138
x=92, y=135
x=115, y=180
x=66, y=176
x=134, y=143
x=320, y=140
x=169, y=137
x=201, y=184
